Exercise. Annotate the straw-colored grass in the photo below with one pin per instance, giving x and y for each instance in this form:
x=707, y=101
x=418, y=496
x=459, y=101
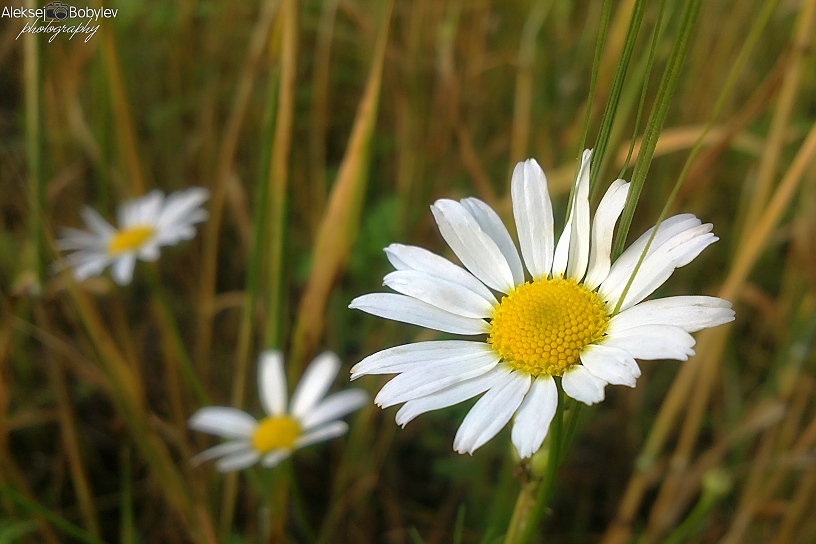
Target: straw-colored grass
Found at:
x=324, y=130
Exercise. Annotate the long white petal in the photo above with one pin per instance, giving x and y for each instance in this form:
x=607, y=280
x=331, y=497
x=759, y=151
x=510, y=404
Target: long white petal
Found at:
x=272, y=383
x=274, y=458
x=532, y=210
x=408, y=356
x=451, y=395
x=321, y=434
x=658, y=266
x=334, y=407
x=653, y=342
x=181, y=206
x=492, y=224
x=533, y=417
x=690, y=313
x=227, y=448
x=443, y=294
x=413, y=311
x=603, y=229
x=491, y=412
x=622, y=268
x=123, y=268
x=477, y=251
x=237, y=461
x=580, y=236
x=96, y=222
x=612, y=365
x=316, y=380
x=423, y=381
x=420, y=259
x=223, y=421
x=582, y=385
x=92, y=265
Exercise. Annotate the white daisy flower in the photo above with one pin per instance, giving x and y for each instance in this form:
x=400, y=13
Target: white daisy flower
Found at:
x=309, y=419
x=560, y=324
x=145, y=224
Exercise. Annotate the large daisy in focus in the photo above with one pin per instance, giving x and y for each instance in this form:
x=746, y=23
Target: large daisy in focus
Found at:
x=145, y=224
x=560, y=324
x=309, y=419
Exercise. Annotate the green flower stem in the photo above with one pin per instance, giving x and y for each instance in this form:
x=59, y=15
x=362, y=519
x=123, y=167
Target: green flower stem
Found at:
x=171, y=328
x=535, y=494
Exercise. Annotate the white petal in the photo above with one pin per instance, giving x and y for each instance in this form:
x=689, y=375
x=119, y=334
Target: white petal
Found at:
x=416, y=258
x=492, y=224
x=533, y=417
x=450, y=395
x=123, y=268
x=70, y=238
x=477, y=251
x=316, y=380
x=91, y=266
x=429, y=379
x=96, y=222
x=603, y=229
x=181, y=207
x=658, y=266
x=439, y=292
x=140, y=211
x=491, y=412
x=413, y=311
x=237, y=461
x=321, y=434
x=653, y=342
x=580, y=236
x=690, y=313
x=334, y=407
x=622, y=268
x=274, y=457
x=408, y=356
x=272, y=383
x=532, y=210
x=223, y=421
x=227, y=448
x=612, y=365
x=149, y=251
x=582, y=385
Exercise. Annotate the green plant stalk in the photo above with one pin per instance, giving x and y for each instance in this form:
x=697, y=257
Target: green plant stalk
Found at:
x=664, y=95
x=614, y=96
x=279, y=174
x=58, y=522
x=596, y=68
x=649, y=64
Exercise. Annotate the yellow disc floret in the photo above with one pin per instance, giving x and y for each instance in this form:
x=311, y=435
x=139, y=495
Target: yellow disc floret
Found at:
x=129, y=239
x=542, y=326
x=275, y=433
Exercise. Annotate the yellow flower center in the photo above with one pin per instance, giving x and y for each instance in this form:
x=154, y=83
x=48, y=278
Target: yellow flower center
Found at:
x=542, y=326
x=129, y=239
x=275, y=433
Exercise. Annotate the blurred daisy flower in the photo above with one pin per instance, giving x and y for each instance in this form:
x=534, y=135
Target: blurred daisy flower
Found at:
x=310, y=417
x=560, y=324
x=145, y=224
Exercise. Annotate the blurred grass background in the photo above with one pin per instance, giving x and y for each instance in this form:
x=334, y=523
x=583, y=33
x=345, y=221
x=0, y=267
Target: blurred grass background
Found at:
x=324, y=130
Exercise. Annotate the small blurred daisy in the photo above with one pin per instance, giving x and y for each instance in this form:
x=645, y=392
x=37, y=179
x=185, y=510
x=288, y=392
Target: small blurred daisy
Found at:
x=145, y=224
x=309, y=419
x=559, y=324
